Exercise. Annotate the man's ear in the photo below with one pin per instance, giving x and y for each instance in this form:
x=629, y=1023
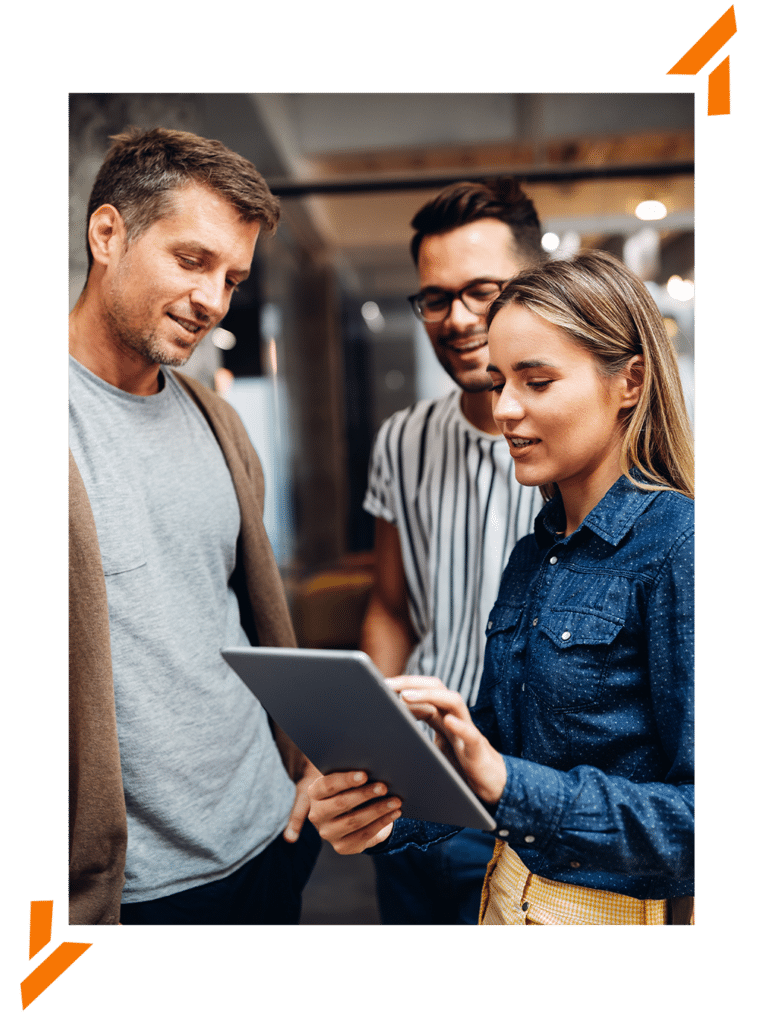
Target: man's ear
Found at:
x=633, y=381
x=106, y=233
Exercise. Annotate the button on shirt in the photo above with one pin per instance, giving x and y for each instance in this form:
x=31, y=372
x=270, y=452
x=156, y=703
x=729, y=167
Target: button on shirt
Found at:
x=588, y=693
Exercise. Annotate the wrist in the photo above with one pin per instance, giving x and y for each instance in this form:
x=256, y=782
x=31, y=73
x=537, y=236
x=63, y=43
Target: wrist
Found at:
x=495, y=783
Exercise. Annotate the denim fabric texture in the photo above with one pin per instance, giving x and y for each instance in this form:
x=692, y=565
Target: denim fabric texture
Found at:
x=587, y=691
x=439, y=885
x=265, y=890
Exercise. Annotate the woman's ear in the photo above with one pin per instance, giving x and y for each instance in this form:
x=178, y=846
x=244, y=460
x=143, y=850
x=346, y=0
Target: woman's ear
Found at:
x=106, y=233
x=632, y=381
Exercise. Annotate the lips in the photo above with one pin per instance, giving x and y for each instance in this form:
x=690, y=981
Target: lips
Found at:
x=462, y=345
x=520, y=444
x=191, y=326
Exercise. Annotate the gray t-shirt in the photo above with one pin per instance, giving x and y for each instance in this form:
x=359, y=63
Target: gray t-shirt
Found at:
x=204, y=783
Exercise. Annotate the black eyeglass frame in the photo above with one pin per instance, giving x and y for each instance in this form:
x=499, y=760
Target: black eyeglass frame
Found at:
x=420, y=296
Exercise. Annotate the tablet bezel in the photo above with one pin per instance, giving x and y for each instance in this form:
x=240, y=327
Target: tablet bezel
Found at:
x=354, y=720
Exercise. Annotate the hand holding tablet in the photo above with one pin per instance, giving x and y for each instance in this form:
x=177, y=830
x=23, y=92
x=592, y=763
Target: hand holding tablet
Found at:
x=339, y=711
x=352, y=812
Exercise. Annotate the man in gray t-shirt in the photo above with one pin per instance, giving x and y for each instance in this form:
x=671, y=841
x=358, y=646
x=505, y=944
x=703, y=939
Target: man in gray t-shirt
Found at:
x=211, y=797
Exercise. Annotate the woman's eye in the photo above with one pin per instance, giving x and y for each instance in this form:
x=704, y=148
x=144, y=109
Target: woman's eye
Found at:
x=538, y=385
x=188, y=261
x=496, y=386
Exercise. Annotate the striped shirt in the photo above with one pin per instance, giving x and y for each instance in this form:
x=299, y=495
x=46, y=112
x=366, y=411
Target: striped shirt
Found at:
x=450, y=490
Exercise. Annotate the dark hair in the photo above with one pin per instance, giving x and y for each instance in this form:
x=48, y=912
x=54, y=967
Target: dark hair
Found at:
x=604, y=307
x=467, y=201
x=143, y=168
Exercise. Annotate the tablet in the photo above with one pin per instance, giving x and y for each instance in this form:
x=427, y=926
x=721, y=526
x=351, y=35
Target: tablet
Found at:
x=337, y=708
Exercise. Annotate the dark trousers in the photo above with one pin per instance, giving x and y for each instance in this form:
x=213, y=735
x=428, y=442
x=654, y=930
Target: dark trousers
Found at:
x=265, y=890
x=439, y=885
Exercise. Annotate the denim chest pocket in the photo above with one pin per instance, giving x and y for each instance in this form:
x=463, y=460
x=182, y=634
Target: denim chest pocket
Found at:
x=500, y=632
x=573, y=649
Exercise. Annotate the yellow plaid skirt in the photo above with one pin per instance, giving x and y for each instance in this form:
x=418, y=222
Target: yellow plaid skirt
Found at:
x=513, y=895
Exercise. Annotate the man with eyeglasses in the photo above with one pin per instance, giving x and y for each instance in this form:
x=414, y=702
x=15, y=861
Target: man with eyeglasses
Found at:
x=448, y=509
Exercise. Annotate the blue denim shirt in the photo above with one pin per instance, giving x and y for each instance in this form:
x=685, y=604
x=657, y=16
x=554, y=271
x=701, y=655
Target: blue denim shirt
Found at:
x=587, y=691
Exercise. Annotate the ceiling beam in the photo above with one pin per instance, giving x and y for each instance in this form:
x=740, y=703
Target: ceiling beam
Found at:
x=291, y=189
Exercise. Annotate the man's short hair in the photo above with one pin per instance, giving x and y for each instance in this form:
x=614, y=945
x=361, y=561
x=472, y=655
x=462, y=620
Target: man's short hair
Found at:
x=467, y=201
x=142, y=169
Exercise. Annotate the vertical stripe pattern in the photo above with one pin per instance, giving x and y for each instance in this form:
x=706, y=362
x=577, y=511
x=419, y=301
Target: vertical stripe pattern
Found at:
x=451, y=492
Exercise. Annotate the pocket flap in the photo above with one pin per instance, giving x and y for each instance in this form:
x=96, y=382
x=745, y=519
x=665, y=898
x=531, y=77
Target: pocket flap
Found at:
x=568, y=628
x=503, y=617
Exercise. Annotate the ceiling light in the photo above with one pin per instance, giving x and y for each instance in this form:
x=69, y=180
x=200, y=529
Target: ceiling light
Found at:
x=550, y=241
x=651, y=209
x=671, y=327
x=223, y=339
x=373, y=317
x=370, y=311
x=680, y=289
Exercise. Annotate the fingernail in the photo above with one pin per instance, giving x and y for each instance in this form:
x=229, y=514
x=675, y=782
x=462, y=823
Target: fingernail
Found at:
x=378, y=789
x=412, y=694
x=290, y=834
x=392, y=803
x=357, y=777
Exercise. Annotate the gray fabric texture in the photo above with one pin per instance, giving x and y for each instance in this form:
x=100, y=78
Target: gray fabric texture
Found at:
x=205, y=787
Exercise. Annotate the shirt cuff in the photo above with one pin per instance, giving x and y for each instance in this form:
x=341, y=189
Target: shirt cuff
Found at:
x=412, y=832
x=373, y=506
x=531, y=806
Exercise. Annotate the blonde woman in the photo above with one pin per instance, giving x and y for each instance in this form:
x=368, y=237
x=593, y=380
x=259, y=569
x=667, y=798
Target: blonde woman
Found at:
x=581, y=741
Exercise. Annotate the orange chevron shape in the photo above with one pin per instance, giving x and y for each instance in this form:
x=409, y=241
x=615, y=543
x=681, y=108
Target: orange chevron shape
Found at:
x=719, y=89
x=60, y=960
x=40, y=925
x=707, y=46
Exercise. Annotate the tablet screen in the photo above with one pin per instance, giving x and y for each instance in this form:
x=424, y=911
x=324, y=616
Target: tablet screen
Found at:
x=337, y=708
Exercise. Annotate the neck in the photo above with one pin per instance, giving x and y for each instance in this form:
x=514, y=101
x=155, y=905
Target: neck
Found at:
x=92, y=343
x=477, y=407
x=581, y=497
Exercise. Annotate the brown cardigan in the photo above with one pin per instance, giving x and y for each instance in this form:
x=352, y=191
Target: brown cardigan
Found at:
x=97, y=820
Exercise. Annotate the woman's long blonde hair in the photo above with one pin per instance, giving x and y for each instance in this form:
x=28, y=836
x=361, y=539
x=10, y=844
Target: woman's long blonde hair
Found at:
x=607, y=309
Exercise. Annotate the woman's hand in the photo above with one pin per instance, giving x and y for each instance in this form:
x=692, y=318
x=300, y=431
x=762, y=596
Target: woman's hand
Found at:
x=350, y=812
x=455, y=734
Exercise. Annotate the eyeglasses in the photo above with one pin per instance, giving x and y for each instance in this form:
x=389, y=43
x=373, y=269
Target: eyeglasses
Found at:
x=433, y=306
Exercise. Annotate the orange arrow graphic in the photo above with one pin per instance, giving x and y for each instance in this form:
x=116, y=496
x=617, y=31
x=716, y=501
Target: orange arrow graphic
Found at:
x=719, y=89
x=707, y=46
x=40, y=925
x=60, y=960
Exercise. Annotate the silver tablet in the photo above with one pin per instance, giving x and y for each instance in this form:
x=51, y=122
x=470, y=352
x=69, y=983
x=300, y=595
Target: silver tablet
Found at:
x=339, y=711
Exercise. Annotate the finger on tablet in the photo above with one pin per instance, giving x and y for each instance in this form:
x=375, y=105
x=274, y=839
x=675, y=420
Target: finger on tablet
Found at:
x=336, y=782
x=398, y=683
x=371, y=834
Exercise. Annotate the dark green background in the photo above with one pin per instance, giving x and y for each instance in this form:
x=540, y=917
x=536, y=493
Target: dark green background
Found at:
x=375, y=974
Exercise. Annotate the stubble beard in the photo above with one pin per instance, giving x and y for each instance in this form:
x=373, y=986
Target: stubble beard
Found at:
x=142, y=340
x=470, y=381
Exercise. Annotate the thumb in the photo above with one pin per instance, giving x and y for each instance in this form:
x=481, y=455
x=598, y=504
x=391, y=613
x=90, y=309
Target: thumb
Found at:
x=297, y=817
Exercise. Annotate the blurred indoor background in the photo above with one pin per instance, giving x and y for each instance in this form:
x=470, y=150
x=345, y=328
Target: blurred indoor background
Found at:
x=320, y=344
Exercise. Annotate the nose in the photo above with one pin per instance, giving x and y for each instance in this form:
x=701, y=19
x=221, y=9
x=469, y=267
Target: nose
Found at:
x=460, y=319
x=211, y=297
x=507, y=409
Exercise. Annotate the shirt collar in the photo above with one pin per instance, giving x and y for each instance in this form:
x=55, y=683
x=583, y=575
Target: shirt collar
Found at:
x=611, y=519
